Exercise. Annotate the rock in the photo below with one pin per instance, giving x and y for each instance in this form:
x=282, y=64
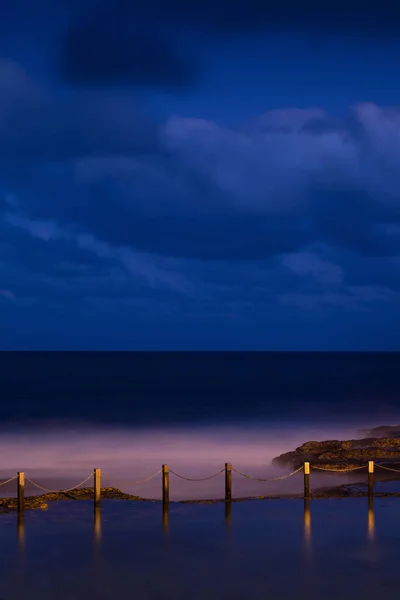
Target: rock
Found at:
x=41, y=502
x=336, y=454
x=384, y=431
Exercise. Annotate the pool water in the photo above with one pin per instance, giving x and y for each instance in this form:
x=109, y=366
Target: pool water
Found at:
x=278, y=549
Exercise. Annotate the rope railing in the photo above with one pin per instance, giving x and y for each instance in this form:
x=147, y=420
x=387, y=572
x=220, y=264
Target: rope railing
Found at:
x=62, y=491
x=387, y=468
x=108, y=492
x=8, y=480
x=269, y=479
x=340, y=470
x=129, y=482
x=198, y=478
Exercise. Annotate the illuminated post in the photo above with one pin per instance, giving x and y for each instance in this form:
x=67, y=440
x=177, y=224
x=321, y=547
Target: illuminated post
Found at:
x=371, y=478
x=97, y=486
x=228, y=482
x=21, y=491
x=307, y=480
x=165, y=484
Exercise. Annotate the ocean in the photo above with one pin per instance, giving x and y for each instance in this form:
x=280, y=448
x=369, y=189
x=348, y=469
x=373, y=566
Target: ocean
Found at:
x=64, y=414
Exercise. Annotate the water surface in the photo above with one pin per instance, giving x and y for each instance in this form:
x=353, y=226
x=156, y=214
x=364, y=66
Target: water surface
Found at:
x=262, y=549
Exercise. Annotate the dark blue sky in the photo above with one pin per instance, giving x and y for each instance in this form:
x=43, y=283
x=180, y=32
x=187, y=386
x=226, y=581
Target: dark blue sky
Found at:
x=199, y=175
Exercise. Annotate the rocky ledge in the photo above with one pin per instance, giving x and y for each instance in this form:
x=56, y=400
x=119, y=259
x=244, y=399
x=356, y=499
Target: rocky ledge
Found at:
x=336, y=455
x=383, y=431
x=41, y=501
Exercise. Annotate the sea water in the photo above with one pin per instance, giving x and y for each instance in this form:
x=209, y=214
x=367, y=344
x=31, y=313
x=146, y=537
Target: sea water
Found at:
x=64, y=414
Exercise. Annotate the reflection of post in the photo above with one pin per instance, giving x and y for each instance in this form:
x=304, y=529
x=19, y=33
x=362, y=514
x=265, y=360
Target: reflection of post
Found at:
x=228, y=514
x=97, y=524
x=371, y=518
x=21, y=531
x=165, y=517
x=307, y=520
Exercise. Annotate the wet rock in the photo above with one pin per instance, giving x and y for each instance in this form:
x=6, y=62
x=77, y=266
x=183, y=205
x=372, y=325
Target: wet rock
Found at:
x=41, y=501
x=336, y=454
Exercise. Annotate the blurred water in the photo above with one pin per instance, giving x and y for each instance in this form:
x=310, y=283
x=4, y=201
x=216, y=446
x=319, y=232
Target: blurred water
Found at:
x=62, y=456
x=272, y=549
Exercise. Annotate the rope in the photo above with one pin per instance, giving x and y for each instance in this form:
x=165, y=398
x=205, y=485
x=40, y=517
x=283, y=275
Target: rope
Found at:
x=198, y=479
x=338, y=470
x=270, y=479
x=137, y=482
x=8, y=480
x=58, y=491
x=387, y=468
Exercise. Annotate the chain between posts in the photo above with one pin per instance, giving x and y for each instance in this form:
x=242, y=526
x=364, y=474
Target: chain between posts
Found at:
x=129, y=482
x=338, y=470
x=270, y=479
x=387, y=468
x=250, y=477
x=8, y=480
x=58, y=491
x=196, y=479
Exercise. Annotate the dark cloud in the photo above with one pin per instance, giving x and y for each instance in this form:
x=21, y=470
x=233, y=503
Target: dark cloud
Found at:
x=205, y=192
x=97, y=208
x=375, y=18
x=107, y=47
x=39, y=123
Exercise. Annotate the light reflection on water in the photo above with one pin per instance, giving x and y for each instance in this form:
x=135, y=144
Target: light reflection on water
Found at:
x=242, y=550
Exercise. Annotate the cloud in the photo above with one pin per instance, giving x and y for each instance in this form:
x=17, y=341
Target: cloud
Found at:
x=8, y=294
x=294, y=208
x=309, y=264
x=134, y=263
x=352, y=298
x=41, y=123
x=103, y=47
x=192, y=189
x=376, y=19
x=274, y=186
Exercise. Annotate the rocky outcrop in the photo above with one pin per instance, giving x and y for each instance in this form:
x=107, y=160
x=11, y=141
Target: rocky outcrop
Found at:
x=335, y=454
x=41, y=501
x=31, y=503
x=383, y=431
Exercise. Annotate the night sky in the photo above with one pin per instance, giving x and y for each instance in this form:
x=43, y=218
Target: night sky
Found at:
x=199, y=174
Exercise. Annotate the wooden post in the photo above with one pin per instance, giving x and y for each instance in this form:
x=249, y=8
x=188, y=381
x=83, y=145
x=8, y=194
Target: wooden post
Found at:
x=307, y=480
x=165, y=484
x=228, y=482
x=21, y=491
x=97, y=486
x=371, y=478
